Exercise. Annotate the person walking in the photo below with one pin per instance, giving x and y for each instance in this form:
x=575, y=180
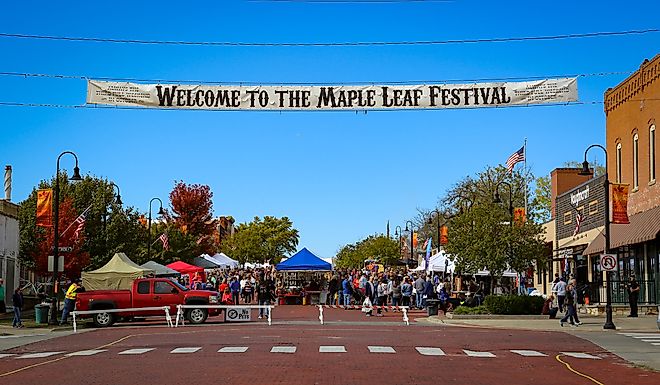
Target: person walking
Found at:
x=235, y=288
x=265, y=294
x=381, y=292
x=333, y=286
x=419, y=291
x=70, y=300
x=560, y=288
x=633, y=295
x=347, y=290
x=406, y=292
x=17, y=302
x=570, y=307
x=396, y=294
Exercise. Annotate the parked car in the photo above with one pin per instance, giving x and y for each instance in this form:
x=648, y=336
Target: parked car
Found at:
x=147, y=292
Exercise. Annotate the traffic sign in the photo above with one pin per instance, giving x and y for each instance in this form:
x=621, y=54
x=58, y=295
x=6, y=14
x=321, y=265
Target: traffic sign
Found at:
x=608, y=262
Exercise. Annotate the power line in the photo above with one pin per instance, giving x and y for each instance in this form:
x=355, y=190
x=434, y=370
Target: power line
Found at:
x=328, y=44
x=350, y=1
x=247, y=83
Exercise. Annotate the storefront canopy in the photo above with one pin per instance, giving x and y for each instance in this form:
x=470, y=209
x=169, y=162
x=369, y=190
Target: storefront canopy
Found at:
x=643, y=227
x=185, y=268
x=160, y=270
x=224, y=261
x=118, y=274
x=304, y=260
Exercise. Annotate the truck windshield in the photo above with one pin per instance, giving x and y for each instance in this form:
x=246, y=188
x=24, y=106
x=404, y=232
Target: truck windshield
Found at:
x=180, y=286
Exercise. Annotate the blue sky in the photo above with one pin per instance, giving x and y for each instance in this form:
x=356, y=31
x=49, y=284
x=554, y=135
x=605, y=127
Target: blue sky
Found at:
x=338, y=175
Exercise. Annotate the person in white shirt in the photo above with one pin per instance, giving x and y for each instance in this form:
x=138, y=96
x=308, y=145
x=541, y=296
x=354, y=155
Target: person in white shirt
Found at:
x=560, y=287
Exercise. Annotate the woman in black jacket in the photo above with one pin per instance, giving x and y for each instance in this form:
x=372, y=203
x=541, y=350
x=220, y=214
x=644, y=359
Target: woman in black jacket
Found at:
x=17, y=301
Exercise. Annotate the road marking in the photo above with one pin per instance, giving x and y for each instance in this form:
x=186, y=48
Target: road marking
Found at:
x=332, y=349
x=653, y=340
x=529, y=353
x=39, y=355
x=136, y=351
x=641, y=334
x=655, y=343
x=3, y=355
x=283, y=349
x=233, y=349
x=381, y=349
x=430, y=351
x=86, y=352
x=186, y=350
x=21, y=336
x=580, y=355
x=471, y=353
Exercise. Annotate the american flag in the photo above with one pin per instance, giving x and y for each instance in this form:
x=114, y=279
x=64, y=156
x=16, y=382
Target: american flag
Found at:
x=166, y=242
x=578, y=221
x=516, y=157
x=80, y=222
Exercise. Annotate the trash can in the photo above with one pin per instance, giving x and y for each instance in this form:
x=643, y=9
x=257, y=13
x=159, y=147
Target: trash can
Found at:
x=41, y=313
x=432, y=307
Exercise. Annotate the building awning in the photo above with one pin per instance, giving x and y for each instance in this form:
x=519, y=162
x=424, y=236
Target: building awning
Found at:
x=580, y=240
x=643, y=227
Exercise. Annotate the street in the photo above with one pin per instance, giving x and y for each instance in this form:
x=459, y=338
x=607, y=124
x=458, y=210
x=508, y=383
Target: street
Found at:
x=348, y=349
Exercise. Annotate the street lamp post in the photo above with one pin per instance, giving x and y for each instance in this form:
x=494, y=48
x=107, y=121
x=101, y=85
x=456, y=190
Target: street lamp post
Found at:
x=411, y=240
x=56, y=236
x=160, y=212
x=105, y=215
x=609, y=324
x=397, y=233
x=437, y=216
x=497, y=199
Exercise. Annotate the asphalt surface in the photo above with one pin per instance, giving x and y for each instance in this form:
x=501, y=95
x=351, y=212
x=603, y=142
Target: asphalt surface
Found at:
x=359, y=350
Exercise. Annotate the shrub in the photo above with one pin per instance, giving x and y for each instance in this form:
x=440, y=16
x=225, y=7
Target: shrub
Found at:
x=471, y=310
x=514, y=304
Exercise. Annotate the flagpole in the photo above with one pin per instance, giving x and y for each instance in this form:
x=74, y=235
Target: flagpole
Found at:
x=74, y=221
x=525, y=174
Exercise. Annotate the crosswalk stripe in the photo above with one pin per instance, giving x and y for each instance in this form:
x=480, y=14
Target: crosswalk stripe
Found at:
x=472, y=353
x=430, y=351
x=136, y=351
x=652, y=340
x=580, y=355
x=3, y=355
x=283, y=349
x=655, y=343
x=185, y=350
x=233, y=349
x=529, y=353
x=39, y=355
x=332, y=349
x=381, y=349
x=86, y=352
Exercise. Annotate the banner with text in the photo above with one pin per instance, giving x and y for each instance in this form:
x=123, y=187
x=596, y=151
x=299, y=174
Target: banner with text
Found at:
x=368, y=97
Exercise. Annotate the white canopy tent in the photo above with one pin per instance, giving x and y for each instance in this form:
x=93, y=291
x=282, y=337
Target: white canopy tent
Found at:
x=507, y=273
x=221, y=259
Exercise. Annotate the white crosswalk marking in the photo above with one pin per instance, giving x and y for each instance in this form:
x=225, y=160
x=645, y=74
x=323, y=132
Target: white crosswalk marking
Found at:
x=185, y=350
x=430, y=351
x=39, y=355
x=529, y=353
x=283, y=349
x=3, y=355
x=332, y=349
x=136, y=351
x=655, y=343
x=233, y=349
x=580, y=355
x=472, y=353
x=651, y=338
x=86, y=353
x=381, y=349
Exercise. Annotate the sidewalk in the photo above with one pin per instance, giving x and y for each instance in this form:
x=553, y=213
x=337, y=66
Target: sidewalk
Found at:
x=630, y=349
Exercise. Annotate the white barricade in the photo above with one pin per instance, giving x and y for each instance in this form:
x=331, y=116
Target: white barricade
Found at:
x=166, y=309
x=180, y=315
x=404, y=310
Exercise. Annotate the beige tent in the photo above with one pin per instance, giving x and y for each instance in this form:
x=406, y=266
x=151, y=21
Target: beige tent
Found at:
x=118, y=274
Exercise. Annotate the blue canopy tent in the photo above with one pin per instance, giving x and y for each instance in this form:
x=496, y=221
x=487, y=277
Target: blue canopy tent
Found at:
x=304, y=260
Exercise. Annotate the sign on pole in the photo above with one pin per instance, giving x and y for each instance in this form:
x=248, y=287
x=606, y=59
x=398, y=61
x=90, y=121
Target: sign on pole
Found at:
x=60, y=265
x=608, y=262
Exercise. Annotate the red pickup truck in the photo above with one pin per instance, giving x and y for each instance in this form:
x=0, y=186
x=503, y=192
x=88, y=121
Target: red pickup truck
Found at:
x=147, y=292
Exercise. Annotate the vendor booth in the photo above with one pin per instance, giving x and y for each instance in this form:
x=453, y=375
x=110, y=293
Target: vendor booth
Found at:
x=304, y=275
x=223, y=260
x=118, y=274
x=190, y=270
x=160, y=270
x=205, y=262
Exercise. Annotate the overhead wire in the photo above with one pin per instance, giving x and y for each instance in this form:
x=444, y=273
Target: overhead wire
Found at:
x=327, y=44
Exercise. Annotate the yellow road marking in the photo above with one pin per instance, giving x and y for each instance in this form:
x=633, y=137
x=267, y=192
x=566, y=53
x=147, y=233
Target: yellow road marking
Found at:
x=576, y=372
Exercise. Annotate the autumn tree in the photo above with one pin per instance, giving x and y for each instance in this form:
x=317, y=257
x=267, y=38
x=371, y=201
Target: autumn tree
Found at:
x=192, y=213
x=378, y=247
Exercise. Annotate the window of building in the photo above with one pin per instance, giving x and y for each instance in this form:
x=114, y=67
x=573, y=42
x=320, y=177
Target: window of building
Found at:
x=143, y=287
x=635, y=162
x=618, y=163
x=652, y=153
x=593, y=207
x=567, y=218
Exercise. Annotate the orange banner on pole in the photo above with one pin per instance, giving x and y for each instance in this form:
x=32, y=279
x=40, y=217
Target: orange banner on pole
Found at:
x=45, y=208
x=620, y=203
x=443, y=235
x=519, y=216
x=414, y=241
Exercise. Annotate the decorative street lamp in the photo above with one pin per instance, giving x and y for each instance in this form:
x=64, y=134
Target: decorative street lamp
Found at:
x=105, y=214
x=586, y=171
x=160, y=212
x=397, y=234
x=56, y=235
x=497, y=199
x=437, y=217
x=412, y=232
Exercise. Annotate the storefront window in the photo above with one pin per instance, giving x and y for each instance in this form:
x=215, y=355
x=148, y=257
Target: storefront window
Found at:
x=618, y=163
x=635, y=162
x=652, y=153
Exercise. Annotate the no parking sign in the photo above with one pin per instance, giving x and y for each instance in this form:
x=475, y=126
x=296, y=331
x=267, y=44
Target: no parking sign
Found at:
x=237, y=315
x=608, y=262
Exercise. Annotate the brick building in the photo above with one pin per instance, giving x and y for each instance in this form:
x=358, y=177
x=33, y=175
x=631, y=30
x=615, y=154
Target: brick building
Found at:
x=632, y=111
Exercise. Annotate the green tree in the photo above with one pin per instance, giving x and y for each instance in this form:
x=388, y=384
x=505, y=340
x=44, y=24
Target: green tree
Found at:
x=481, y=234
x=267, y=239
x=379, y=247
